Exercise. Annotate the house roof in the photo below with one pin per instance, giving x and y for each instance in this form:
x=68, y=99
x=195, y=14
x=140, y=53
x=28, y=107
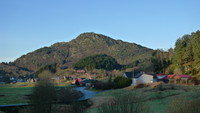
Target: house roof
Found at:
x=168, y=76
x=161, y=76
x=88, y=81
x=134, y=74
x=81, y=71
x=129, y=74
x=183, y=76
x=138, y=75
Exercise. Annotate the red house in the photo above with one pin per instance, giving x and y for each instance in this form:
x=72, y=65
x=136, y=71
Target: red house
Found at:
x=168, y=76
x=81, y=71
x=164, y=78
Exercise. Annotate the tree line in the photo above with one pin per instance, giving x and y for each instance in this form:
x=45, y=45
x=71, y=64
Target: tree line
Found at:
x=101, y=61
x=187, y=54
x=183, y=59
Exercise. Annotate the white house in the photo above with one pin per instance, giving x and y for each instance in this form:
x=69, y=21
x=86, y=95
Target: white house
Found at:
x=145, y=79
x=139, y=78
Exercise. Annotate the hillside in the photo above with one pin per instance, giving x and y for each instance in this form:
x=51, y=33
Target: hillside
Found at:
x=186, y=59
x=86, y=44
x=9, y=70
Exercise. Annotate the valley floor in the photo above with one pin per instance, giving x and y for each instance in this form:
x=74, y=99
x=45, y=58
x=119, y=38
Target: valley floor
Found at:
x=158, y=99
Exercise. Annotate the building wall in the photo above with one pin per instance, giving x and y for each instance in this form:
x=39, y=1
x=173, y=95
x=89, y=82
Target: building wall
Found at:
x=144, y=79
x=134, y=82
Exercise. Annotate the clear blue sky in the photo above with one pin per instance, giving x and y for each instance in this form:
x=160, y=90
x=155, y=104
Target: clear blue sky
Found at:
x=26, y=25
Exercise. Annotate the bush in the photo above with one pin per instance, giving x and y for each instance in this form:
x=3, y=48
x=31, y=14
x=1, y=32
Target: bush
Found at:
x=68, y=95
x=77, y=83
x=103, y=85
x=195, y=81
x=121, y=82
x=43, y=96
x=125, y=104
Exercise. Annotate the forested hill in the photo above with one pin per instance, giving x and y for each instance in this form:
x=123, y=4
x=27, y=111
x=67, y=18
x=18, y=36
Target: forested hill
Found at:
x=101, y=61
x=8, y=69
x=86, y=44
x=186, y=58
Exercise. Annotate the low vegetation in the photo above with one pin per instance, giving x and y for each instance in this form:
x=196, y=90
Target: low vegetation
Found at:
x=125, y=104
x=118, y=82
x=158, y=99
x=43, y=96
x=184, y=105
x=121, y=82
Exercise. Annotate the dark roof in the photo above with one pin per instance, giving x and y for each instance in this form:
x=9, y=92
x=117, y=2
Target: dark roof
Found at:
x=138, y=75
x=131, y=75
x=88, y=81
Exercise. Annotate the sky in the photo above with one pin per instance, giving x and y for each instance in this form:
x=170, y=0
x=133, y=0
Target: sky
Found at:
x=27, y=25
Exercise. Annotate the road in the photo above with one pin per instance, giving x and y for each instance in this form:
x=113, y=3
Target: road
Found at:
x=87, y=94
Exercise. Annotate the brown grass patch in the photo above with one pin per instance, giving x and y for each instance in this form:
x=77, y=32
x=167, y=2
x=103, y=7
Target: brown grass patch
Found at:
x=100, y=100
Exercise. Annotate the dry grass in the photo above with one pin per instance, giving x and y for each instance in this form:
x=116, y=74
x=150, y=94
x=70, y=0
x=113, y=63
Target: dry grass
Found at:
x=125, y=104
x=98, y=101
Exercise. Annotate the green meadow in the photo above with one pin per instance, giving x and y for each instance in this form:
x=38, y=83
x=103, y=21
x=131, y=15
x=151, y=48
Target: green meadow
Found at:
x=14, y=95
x=19, y=93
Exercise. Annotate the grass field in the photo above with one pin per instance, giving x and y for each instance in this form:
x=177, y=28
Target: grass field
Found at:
x=14, y=95
x=158, y=99
x=19, y=93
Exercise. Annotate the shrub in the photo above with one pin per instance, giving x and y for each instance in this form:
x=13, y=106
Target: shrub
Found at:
x=103, y=85
x=68, y=95
x=77, y=83
x=43, y=96
x=125, y=104
x=195, y=81
x=121, y=82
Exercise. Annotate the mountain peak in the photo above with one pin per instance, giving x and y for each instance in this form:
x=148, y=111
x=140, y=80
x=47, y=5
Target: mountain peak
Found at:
x=92, y=35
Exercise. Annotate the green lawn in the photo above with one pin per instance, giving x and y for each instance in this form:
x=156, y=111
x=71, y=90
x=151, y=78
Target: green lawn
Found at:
x=18, y=93
x=14, y=95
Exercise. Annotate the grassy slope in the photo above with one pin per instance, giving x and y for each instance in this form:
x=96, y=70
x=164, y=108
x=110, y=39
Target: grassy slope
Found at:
x=158, y=101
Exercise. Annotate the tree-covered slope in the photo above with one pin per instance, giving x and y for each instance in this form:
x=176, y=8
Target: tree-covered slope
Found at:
x=101, y=61
x=10, y=70
x=186, y=59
